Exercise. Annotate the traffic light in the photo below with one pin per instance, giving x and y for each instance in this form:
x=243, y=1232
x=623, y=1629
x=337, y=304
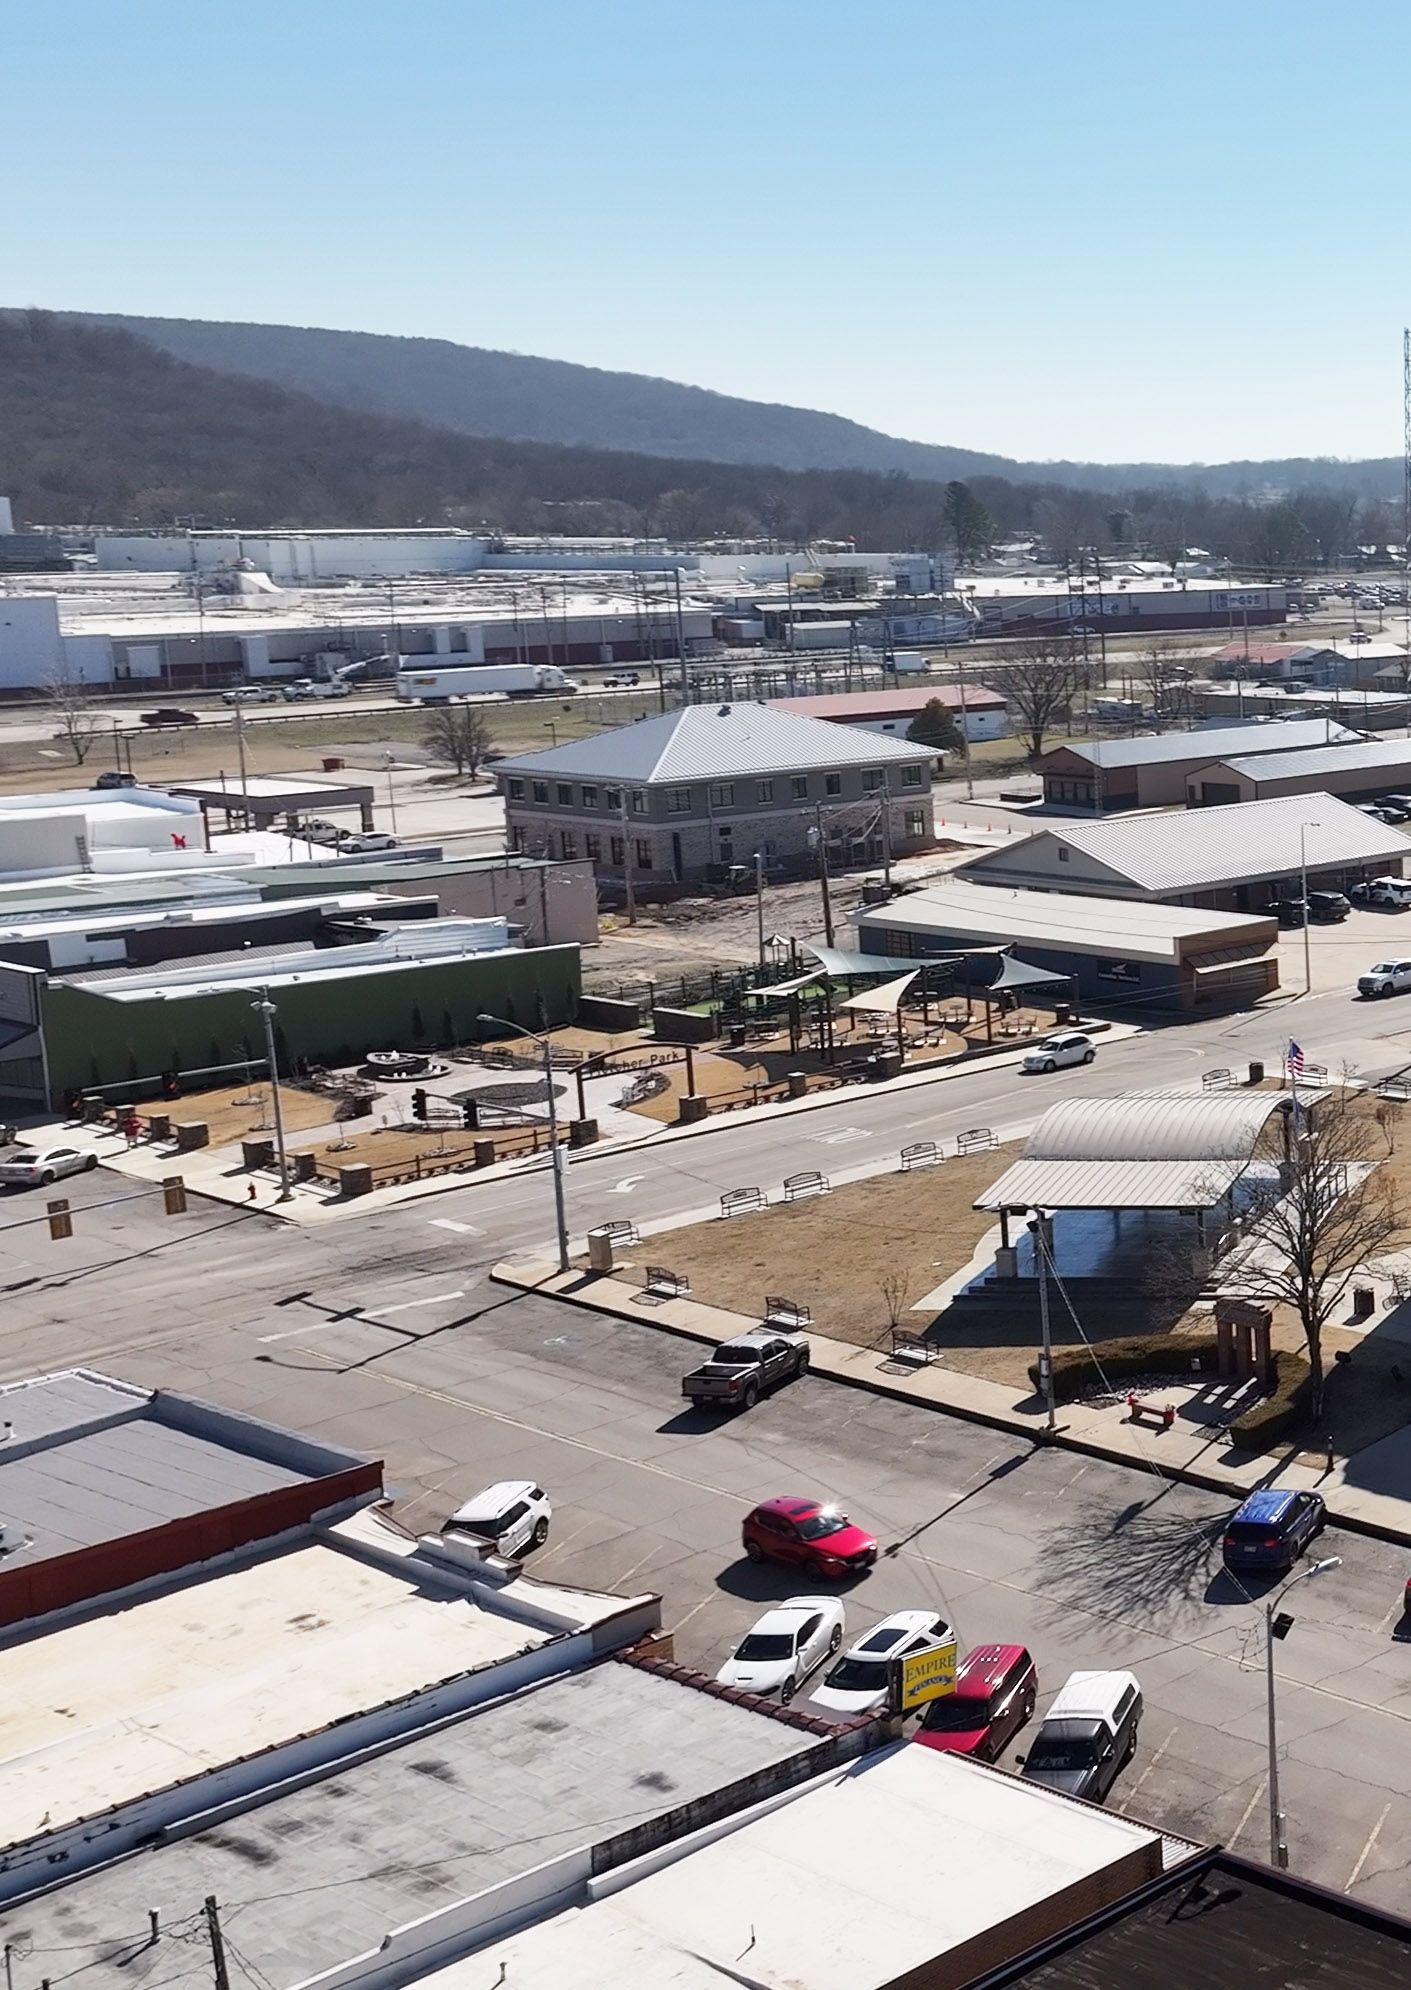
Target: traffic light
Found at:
x=419, y=1103
x=60, y=1221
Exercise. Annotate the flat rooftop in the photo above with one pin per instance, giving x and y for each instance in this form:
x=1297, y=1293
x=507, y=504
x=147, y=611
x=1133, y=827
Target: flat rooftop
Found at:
x=206, y=1672
x=508, y=1787
x=856, y=1882
x=268, y=787
x=88, y=1461
x=1060, y=920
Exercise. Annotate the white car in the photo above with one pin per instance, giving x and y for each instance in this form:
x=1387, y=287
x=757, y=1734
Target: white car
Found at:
x=514, y=1514
x=1063, y=1047
x=1388, y=977
x=858, y=1683
x=374, y=840
x=250, y=694
x=45, y=1165
x=786, y=1644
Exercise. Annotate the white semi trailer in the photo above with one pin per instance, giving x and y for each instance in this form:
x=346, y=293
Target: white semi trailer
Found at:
x=483, y=680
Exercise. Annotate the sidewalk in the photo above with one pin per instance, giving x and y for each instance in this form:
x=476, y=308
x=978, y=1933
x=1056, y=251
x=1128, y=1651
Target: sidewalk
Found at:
x=1191, y=1455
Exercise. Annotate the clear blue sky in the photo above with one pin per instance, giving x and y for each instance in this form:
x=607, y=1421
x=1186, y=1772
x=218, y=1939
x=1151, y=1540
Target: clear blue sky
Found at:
x=1100, y=229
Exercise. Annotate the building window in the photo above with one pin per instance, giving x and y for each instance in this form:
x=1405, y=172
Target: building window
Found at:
x=915, y=822
x=678, y=801
x=541, y=791
x=516, y=791
x=639, y=802
x=614, y=798
x=568, y=843
x=618, y=851
x=644, y=854
x=832, y=784
x=913, y=777
x=764, y=791
x=800, y=787
x=590, y=796
x=722, y=794
x=565, y=794
x=872, y=779
x=593, y=846
x=1063, y=853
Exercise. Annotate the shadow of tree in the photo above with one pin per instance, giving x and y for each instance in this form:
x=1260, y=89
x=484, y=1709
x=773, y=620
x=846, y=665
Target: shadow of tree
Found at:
x=1136, y=1563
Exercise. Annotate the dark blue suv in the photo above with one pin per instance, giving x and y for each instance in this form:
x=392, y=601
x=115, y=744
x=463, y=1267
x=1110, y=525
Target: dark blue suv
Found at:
x=1272, y=1529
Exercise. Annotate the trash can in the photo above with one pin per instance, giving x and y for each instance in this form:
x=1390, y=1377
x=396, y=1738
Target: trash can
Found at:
x=1063, y=1012
x=1256, y=1071
x=1364, y=1302
x=333, y=763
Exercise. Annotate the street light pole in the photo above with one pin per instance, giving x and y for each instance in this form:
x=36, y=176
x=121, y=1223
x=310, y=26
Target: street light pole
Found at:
x=391, y=792
x=759, y=902
x=1278, y=1847
x=822, y=842
x=1303, y=829
x=555, y=1151
x=266, y=1009
x=1038, y=1229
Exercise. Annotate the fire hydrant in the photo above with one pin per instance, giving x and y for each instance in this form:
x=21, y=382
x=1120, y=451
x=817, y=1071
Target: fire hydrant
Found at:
x=1168, y=1416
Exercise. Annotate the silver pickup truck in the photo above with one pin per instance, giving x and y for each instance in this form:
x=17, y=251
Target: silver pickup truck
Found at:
x=742, y=1370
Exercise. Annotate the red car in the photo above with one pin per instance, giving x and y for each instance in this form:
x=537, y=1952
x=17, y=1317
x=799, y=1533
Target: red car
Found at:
x=995, y=1690
x=808, y=1534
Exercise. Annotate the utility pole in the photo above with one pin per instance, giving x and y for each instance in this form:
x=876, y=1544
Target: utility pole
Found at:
x=217, y=1943
x=1039, y=1230
x=886, y=831
x=681, y=640
x=823, y=872
x=244, y=776
x=965, y=735
x=759, y=901
x=627, y=877
x=267, y=1010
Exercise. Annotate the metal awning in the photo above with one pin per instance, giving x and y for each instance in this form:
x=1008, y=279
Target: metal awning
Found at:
x=883, y=1001
x=1228, y=957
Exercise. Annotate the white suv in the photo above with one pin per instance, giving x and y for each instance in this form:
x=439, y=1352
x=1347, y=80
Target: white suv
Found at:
x=1064, y=1047
x=1388, y=977
x=514, y=1514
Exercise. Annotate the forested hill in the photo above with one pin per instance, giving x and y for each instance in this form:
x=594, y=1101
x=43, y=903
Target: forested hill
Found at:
x=481, y=392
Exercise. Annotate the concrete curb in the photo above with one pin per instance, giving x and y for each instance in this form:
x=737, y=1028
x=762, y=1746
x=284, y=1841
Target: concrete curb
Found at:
x=544, y=1280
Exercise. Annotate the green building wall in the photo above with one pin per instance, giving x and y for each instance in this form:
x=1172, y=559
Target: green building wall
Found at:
x=93, y=1041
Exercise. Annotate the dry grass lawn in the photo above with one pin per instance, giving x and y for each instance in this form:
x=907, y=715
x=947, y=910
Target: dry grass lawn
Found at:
x=832, y=1252
x=240, y=1112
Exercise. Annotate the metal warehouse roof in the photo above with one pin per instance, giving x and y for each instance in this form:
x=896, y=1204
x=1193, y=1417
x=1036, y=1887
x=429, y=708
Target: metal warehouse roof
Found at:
x=1177, y=1150
x=882, y=704
x=1323, y=760
x=1059, y=920
x=711, y=743
x=1255, y=736
x=1204, y=849
x=415, y=1828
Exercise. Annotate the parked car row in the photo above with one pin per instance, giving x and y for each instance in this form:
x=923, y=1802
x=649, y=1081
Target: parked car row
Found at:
x=350, y=842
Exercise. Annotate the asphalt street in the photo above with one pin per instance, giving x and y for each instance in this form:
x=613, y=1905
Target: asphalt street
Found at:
x=385, y=1333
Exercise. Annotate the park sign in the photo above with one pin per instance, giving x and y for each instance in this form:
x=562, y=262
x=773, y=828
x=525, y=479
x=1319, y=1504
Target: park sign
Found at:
x=923, y=1675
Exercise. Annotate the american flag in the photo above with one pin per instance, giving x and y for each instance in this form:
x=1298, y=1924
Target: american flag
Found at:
x=1293, y=1058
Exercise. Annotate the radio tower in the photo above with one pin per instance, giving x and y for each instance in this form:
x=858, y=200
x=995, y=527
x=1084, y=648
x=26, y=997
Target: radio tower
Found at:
x=1406, y=463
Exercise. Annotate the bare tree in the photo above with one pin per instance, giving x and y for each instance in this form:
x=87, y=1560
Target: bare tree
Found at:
x=1039, y=684
x=78, y=723
x=1165, y=684
x=1330, y=1210
x=458, y=735
x=896, y=1290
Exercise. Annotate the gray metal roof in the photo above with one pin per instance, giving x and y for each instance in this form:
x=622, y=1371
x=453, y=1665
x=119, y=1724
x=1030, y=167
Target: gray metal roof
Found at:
x=1179, y=1150
x=1203, y=849
x=1256, y=736
x=1322, y=760
x=315, y=1876
x=712, y=743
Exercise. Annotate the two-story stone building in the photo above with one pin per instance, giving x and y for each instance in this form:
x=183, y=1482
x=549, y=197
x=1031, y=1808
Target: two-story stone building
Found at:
x=678, y=798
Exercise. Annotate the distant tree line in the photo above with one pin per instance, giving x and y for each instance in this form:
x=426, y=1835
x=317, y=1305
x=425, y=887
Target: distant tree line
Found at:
x=100, y=427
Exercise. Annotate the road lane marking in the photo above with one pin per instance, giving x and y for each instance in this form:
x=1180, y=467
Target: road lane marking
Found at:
x=450, y=1223
x=1135, y=1791
x=409, y=1305
x=626, y=1185
x=1248, y=1812
x=842, y=1134
x=1362, y=1855
x=317, y=1327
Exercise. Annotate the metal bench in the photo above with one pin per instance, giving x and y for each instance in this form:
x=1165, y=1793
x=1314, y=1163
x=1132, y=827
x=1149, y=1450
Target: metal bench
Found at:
x=912, y=1347
x=787, y=1314
x=620, y=1232
x=921, y=1154
x=810, y=1182
x=1313, y=1074
x=1217, y=1081
x=977, y=1140
x=740, y=1201
x=664, y=1284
